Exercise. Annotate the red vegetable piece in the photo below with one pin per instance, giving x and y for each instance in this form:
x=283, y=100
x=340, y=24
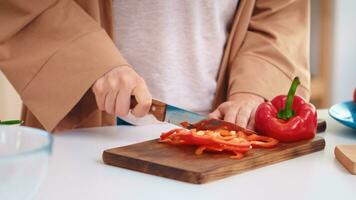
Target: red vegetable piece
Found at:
x=287, y=118
x=217, y=140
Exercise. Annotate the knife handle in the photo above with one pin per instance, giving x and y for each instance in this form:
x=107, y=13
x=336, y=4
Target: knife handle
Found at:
x=321, y=126
x=157, y=109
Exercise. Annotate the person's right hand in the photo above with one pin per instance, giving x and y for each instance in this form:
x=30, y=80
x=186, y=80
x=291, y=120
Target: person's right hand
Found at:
x=114, y=89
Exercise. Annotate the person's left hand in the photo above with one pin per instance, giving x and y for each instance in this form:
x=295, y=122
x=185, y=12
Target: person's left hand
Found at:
x=240, y=109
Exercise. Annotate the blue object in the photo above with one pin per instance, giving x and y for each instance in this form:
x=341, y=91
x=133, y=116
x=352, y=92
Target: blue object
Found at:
x=345, y=113
x=121, y=122
x=175, y=115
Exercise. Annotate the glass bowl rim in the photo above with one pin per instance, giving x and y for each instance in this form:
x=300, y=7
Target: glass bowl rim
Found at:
x=43, y=147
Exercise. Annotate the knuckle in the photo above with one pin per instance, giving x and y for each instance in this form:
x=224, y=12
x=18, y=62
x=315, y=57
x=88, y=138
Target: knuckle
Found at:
x=95, y=88
x=251, y=104
x=125, y=81
x=98, y=88
x=234, y=104
x=113, y=84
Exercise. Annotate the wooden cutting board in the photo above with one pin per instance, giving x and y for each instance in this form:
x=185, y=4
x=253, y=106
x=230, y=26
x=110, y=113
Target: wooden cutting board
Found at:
x=346, y=155
x=180, y=162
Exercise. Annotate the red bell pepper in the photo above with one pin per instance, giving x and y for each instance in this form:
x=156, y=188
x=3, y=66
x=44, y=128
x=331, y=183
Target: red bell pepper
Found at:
x=287, y=118
x=355, y=95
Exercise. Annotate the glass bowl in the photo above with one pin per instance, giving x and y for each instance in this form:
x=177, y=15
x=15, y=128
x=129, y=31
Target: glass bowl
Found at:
x=24, y=155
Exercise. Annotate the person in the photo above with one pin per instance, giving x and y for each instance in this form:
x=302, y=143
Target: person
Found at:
x=75, y=63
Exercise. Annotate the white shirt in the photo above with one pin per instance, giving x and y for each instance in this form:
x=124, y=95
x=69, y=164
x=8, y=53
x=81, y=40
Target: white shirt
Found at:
x=176, y=46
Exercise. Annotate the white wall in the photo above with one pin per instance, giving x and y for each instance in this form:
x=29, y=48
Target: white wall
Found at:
x=315, y=36
x=344, y=45
x=10, y=102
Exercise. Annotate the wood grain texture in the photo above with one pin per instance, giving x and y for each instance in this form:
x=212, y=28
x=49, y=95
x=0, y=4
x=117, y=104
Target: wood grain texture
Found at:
x=180, y=162
x=346, y=155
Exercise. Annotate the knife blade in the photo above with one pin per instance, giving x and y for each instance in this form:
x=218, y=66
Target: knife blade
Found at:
x=175, y=115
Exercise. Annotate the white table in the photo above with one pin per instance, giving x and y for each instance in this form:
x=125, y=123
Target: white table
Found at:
x=76, y=171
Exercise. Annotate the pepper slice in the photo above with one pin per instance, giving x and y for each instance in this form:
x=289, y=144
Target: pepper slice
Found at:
x=217, y=140
x=238, y=153
x=207, y=138
x=262, y=141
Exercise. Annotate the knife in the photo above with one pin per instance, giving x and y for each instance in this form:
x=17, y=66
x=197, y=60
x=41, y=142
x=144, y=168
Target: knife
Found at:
x=171, y=114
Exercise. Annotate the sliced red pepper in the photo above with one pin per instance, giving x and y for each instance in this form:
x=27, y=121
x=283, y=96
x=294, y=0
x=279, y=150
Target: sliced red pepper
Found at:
x=239, y=153
x=201, y=138
x=218, y=140
x=262, y=141
x=169, y=133
x=201, y=149
x=253, y=139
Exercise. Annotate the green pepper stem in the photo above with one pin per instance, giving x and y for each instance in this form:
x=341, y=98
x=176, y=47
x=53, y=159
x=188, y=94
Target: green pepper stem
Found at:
x=288, y=112
x=11, y=122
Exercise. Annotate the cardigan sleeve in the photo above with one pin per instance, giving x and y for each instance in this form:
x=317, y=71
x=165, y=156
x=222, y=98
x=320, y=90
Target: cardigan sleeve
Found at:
x=52, y=52
x=274, y=51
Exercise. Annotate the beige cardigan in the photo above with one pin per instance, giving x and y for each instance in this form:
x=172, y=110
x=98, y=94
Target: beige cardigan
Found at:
x=52, y=51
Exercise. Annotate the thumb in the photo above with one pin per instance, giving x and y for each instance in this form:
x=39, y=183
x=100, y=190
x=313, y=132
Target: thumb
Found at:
x=144, y=100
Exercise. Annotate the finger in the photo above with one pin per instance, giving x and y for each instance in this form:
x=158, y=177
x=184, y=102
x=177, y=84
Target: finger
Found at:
x=122, y=105
x=110, y=101
x=100, y=92
x=243, y=116
x=218, y=113
x=143, y=98
x=251, y=122
x=230, y=115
